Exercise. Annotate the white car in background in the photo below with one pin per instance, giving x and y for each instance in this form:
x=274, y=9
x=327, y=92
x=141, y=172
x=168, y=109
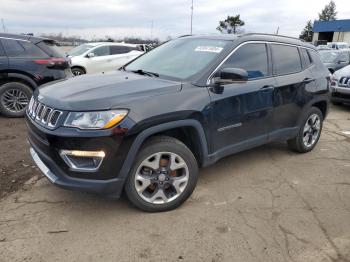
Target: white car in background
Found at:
x=101, y=57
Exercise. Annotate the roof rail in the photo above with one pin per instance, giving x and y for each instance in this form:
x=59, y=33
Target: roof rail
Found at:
x=262, y=34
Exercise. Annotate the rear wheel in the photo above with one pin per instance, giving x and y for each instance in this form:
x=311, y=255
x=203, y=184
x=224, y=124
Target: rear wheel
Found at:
x=309, y=132
x=14, y=98
x=163, y=177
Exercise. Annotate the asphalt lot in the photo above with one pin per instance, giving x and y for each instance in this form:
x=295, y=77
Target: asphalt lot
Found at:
x=266, y=204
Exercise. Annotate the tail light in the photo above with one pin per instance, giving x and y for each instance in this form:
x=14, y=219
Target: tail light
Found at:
x=53, y=62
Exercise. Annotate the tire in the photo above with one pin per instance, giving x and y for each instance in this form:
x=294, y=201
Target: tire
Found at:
x=165, y=149
x=76, y=71
x=14, y=98
x=297, y=143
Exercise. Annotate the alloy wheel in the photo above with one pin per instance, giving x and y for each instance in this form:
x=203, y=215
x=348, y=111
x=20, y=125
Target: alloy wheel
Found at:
x=14, y=100
x=311, y=130
x=161, y=178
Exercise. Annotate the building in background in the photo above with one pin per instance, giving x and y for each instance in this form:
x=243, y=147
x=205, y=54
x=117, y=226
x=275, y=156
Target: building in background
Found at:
x=332, y=31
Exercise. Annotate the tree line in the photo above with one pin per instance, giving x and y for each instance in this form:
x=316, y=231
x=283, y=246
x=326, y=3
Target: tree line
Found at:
x=233, y=24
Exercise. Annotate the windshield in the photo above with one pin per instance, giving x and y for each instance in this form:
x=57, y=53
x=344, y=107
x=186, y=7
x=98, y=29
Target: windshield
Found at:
x=180, y=58
x=79, y=50
x=328, y=57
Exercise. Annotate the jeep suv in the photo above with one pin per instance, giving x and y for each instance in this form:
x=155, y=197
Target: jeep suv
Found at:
x=27, y=62
x=147, y=128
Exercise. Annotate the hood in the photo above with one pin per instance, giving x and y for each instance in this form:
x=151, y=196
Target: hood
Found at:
x=345, y=71
x=102, y=91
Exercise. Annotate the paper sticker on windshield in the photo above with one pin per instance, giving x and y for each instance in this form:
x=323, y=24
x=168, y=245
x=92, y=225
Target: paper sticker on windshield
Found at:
x=211, y=49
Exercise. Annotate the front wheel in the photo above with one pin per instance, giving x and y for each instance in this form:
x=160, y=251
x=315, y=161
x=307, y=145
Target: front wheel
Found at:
x=309, y=132
x=163, y=177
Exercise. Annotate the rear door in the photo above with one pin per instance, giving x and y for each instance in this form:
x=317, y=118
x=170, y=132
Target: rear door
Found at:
x=293, y=87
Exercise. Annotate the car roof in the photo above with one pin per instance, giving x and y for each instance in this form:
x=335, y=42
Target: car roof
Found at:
x=33, y=39
x=110, y=43
x=256, y=37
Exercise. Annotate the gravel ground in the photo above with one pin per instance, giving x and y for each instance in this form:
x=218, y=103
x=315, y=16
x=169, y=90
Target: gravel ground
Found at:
x=266, y=204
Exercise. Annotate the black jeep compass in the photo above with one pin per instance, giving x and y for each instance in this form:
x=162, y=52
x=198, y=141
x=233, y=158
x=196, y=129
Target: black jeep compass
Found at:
x=147, y=128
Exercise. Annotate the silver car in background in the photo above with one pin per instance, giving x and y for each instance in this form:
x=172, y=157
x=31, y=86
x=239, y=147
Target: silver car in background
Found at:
x=340, y=86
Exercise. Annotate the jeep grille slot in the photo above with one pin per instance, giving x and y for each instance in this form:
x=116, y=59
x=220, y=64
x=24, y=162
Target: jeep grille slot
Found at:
x=43, y=115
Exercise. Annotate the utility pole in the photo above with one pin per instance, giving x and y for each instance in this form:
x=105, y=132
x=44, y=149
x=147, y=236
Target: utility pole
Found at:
x=152, y=29
x=191, y=16
x=278, y=29
x=3, y=25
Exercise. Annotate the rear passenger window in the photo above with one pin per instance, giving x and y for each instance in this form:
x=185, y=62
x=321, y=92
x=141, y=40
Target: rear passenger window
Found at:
x=306, y=57
x=250, y=57
x=116, y=50
x=31, y=50
x=12, y=47
x=286, y=59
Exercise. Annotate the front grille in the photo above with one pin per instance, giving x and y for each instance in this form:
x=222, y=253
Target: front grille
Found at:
x=44, y=115
x=344, y=82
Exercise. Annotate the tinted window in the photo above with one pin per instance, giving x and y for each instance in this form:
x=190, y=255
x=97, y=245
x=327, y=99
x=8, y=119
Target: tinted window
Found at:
x=102, y=51
x=116, y=50
x=286, y=59
x=50, y=48
x=2, y=53
x=250, y=57
x=315, y=58
x=31, y=50
x=12, y=47
x=306, y=57
x=344, y=57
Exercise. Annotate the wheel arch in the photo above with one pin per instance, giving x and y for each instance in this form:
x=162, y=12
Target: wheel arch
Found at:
x=18, y=77
x=178, y=128
x=79, y=66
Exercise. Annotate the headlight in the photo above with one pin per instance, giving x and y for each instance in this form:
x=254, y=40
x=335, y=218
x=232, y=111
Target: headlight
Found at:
x=95, y=120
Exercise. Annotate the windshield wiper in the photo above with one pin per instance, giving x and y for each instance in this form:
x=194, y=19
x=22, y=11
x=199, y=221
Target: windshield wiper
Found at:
x=143, y=72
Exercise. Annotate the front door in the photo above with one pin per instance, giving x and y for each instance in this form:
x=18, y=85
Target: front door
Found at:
x=3, y=61
x=242, y=112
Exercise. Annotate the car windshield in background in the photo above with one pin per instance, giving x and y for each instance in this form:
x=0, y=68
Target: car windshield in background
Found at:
x=180, y=58
x=328, y=56
x=79, y=50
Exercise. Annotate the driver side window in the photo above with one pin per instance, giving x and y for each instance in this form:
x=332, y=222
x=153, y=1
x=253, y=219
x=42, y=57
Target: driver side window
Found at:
x=250, y=57
x=102, y=51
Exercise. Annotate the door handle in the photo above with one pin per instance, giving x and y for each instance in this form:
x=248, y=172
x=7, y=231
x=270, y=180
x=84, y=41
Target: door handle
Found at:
x=308, y=80
x=267, y=88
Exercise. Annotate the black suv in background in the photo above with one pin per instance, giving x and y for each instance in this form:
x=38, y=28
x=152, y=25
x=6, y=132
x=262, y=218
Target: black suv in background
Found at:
x=184, y=105
x=27, y=62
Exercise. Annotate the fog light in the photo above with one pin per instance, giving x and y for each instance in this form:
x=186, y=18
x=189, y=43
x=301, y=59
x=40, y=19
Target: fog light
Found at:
x=83, y=161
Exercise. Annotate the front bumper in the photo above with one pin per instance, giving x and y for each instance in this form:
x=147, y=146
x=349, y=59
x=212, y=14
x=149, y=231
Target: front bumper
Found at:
x=340, y=94
x=111, y=187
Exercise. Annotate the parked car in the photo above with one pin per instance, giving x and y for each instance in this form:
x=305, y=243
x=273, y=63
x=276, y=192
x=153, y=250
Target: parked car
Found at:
x=338, y=45
x=335, y=59
x=101, y=57
x=341, y=86
x=27, y=62
x=185, y=104
x=323, y=47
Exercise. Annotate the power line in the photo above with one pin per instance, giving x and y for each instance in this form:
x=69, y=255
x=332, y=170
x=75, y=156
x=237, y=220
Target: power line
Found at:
x=3, y=25
x=191, y=16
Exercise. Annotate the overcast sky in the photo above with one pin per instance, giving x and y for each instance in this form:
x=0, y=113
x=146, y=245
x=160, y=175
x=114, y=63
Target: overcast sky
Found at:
x=119, y=18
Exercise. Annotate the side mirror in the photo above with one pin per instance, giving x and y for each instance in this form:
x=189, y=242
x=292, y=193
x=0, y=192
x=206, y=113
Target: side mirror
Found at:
x=231, y=75
x=90, y=55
